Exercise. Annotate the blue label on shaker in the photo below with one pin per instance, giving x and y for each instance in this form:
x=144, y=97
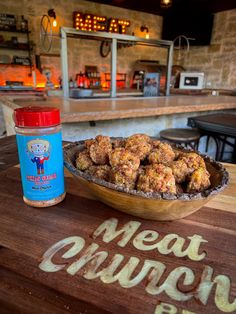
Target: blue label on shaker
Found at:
x=41, y=164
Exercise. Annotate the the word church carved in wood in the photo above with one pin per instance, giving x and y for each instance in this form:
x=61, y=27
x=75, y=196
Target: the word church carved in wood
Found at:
x=153, y=270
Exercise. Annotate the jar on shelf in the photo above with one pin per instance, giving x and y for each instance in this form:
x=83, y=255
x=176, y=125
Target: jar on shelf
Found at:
x=23, y=24
x=39, y=142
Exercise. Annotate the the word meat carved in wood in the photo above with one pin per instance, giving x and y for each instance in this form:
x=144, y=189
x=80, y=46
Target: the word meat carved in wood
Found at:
x=152, y=270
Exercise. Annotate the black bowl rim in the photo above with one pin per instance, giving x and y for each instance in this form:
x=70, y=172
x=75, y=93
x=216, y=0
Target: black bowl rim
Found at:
x=150, y=195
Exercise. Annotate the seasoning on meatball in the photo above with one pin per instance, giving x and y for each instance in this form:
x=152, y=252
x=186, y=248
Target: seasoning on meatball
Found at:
x=155, y=143
x=118, y=143
x=163, y=154
x=99, y=149
x=193, y=161
x=199, y=180
x=139, y=145
x=123, y=176
x=100, y=172
x=139, y=138
x=83, y=160
x=122, y=156
x=180, y=170
x=157, y=178
x=88, y=143
x=177, y=152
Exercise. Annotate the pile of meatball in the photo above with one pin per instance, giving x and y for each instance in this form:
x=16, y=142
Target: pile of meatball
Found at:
x=143, y=164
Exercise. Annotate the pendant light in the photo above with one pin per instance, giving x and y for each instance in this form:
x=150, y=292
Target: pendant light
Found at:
x=165, y=4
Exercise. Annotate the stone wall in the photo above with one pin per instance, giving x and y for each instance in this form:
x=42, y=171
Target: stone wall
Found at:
x=85, y=52
x=218, y=60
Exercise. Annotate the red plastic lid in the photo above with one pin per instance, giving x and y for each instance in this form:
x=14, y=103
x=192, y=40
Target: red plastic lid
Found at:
x=36, y=116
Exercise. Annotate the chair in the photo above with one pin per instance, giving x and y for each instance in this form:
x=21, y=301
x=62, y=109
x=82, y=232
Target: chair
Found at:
x=183, y=136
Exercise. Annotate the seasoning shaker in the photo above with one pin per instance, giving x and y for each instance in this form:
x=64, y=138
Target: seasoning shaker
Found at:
x=39, y=142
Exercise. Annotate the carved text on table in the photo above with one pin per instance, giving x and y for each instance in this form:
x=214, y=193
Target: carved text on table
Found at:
x=153, y=270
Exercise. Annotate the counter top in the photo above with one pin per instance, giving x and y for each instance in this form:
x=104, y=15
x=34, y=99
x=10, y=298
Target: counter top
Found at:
x=81, y=110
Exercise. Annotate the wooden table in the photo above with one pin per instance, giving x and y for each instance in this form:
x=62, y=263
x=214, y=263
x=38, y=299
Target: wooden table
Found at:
x=62, y=260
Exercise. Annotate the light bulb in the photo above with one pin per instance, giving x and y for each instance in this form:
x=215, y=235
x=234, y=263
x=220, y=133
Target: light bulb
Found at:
x=166, y=3
x=54, y=23
x=147, y=36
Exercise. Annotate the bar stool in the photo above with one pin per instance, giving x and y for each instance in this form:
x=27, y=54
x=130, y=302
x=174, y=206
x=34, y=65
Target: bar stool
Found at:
x=183, y=136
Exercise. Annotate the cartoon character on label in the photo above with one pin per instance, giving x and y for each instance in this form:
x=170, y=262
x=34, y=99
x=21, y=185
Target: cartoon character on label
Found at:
x=39, y=151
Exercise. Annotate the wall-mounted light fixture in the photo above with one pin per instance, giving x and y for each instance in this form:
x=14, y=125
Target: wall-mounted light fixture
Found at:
x=144, y=28
x=52, y=13
x=165, y=4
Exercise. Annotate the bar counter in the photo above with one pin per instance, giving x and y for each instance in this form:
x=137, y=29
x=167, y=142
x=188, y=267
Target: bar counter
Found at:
x=82, y=110
x=121, y=116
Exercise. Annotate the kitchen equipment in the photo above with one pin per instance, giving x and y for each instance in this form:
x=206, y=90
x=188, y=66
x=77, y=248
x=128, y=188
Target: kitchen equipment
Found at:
x=191, y=80
x=80, y=93
x=14, y=83
x=21, y=60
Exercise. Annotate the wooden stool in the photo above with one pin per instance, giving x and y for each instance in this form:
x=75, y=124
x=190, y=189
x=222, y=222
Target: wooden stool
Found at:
x=185, y=137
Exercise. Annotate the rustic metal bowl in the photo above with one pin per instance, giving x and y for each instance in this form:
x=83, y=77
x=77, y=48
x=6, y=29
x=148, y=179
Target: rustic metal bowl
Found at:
x=155, y=206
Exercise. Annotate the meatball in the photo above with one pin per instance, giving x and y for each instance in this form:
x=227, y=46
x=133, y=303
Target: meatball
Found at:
x=193, y=161
x=139, y=145
x=157, y=178
x=89, y=142
x=139, y=138
x=180, y=170
x=99, y=149
x=163, y=154
x=155, y=143
x=177, y=153
x=199, y=180
x=83, y=160
x=123, y=176
x=118, y=143
x=122, y=156
x=100, y=172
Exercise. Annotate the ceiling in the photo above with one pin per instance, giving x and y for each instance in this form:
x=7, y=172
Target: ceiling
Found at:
x=153, y=6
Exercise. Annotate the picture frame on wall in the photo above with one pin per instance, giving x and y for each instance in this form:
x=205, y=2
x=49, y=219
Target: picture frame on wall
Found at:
x=151, y=84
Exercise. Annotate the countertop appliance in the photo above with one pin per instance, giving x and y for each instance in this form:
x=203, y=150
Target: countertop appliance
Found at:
x=191, y=80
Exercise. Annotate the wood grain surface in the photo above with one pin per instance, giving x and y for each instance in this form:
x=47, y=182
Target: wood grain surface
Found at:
x=29, y=285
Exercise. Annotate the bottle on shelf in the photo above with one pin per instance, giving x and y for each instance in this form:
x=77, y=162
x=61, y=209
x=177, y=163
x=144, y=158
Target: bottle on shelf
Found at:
x=75, y=84
x=60, y=82
x=85, y=81
x=71, y=83
x=80, y=81
x=23, y=24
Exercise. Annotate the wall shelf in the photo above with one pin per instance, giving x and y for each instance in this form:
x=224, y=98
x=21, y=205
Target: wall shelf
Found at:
x=14, y=48
x=27, y=47
x=14, y=64
x=14, y=31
